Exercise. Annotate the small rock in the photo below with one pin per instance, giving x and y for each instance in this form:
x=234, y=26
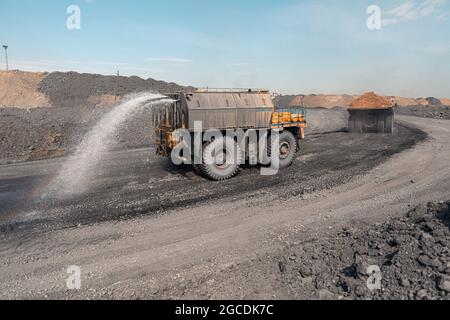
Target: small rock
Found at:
x=404, y=282
x=438, y=233
x=427, y=262
x=443, y=283
x=281, y=266
x=305, y=271
x=428, y=227
x=306, y=281
x=360, y=265
x=360, y=291
x=393, y=242
x=441, y=269
x=447, y=270
x=360, y=249
x=420, y=210
x=422, y=294
x=325, y=294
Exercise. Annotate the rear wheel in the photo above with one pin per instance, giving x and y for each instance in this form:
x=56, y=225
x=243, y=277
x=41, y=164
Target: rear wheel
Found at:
x=288, y=147
x=198, y=169
x=221, y=159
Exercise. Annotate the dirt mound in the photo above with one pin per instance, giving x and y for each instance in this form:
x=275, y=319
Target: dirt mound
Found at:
x=404, y=102
x=429, y=102
x=34, y=89
x=74, y=89
x=328, y=101
x=319, y=101
x=412, y=254
x=20, y=89
x=297, y=101
x=422, y=102
x=370, y=100
x=432, y=102
x=332, y=101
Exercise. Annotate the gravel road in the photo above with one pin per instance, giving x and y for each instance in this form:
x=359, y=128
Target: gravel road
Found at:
x=147, y=230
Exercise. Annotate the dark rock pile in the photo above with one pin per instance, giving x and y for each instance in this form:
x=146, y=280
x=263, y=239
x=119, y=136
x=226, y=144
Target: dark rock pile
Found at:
x=408, y=257
x=74, y=89
x=433, y=112
x=77, y=101
x=45, y=133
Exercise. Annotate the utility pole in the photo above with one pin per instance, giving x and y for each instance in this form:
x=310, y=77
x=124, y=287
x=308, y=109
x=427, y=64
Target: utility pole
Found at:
x=6, y=56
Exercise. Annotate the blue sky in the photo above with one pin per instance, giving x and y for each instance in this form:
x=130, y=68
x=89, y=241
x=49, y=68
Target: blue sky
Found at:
x=286, y=46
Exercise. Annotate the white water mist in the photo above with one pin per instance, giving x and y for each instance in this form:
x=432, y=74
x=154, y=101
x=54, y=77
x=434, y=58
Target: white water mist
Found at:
x=76, y=174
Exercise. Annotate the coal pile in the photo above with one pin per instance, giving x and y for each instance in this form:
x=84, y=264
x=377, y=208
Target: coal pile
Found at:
x=411, y=252
x=44, y=133
x=433, y=101
x=433, y=112
x=69, y=105
x=74, y=89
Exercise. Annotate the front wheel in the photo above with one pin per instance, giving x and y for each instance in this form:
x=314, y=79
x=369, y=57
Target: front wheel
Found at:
x=221, y=159
x=288, y=148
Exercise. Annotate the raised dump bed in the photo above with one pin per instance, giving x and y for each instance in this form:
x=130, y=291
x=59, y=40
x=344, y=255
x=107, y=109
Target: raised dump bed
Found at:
x=371, y=113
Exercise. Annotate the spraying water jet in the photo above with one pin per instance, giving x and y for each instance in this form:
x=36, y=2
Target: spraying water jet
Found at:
x=75, y=176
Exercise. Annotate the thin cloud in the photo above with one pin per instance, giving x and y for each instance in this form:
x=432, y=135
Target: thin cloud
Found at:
x=52, y=65
x=169, y=59
x=443, y=17
x=411, y=11
x=61, y=62
x=243, y=64
x=442, y=49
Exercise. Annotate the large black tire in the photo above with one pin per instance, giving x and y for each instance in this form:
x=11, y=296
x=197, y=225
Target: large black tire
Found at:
x=198, y=169
x=288, y=149
x=214, y=169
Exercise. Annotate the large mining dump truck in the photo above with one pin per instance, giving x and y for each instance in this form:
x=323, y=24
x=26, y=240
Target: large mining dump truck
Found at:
x=246, y=111
x=371, y=113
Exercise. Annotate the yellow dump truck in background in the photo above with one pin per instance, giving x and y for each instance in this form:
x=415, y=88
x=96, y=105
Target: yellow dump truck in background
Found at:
x=224, y=110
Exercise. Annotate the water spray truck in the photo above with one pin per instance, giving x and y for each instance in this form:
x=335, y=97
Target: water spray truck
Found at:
x=225, y=110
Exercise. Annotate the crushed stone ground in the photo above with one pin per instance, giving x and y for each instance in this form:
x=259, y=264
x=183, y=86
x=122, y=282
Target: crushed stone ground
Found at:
x=412, y=253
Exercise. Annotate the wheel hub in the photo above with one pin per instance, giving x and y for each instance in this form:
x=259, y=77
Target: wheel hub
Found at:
x=222, y=159
x=285, y=150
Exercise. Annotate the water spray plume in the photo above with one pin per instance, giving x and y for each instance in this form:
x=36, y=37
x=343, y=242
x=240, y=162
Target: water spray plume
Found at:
x=76, y=174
